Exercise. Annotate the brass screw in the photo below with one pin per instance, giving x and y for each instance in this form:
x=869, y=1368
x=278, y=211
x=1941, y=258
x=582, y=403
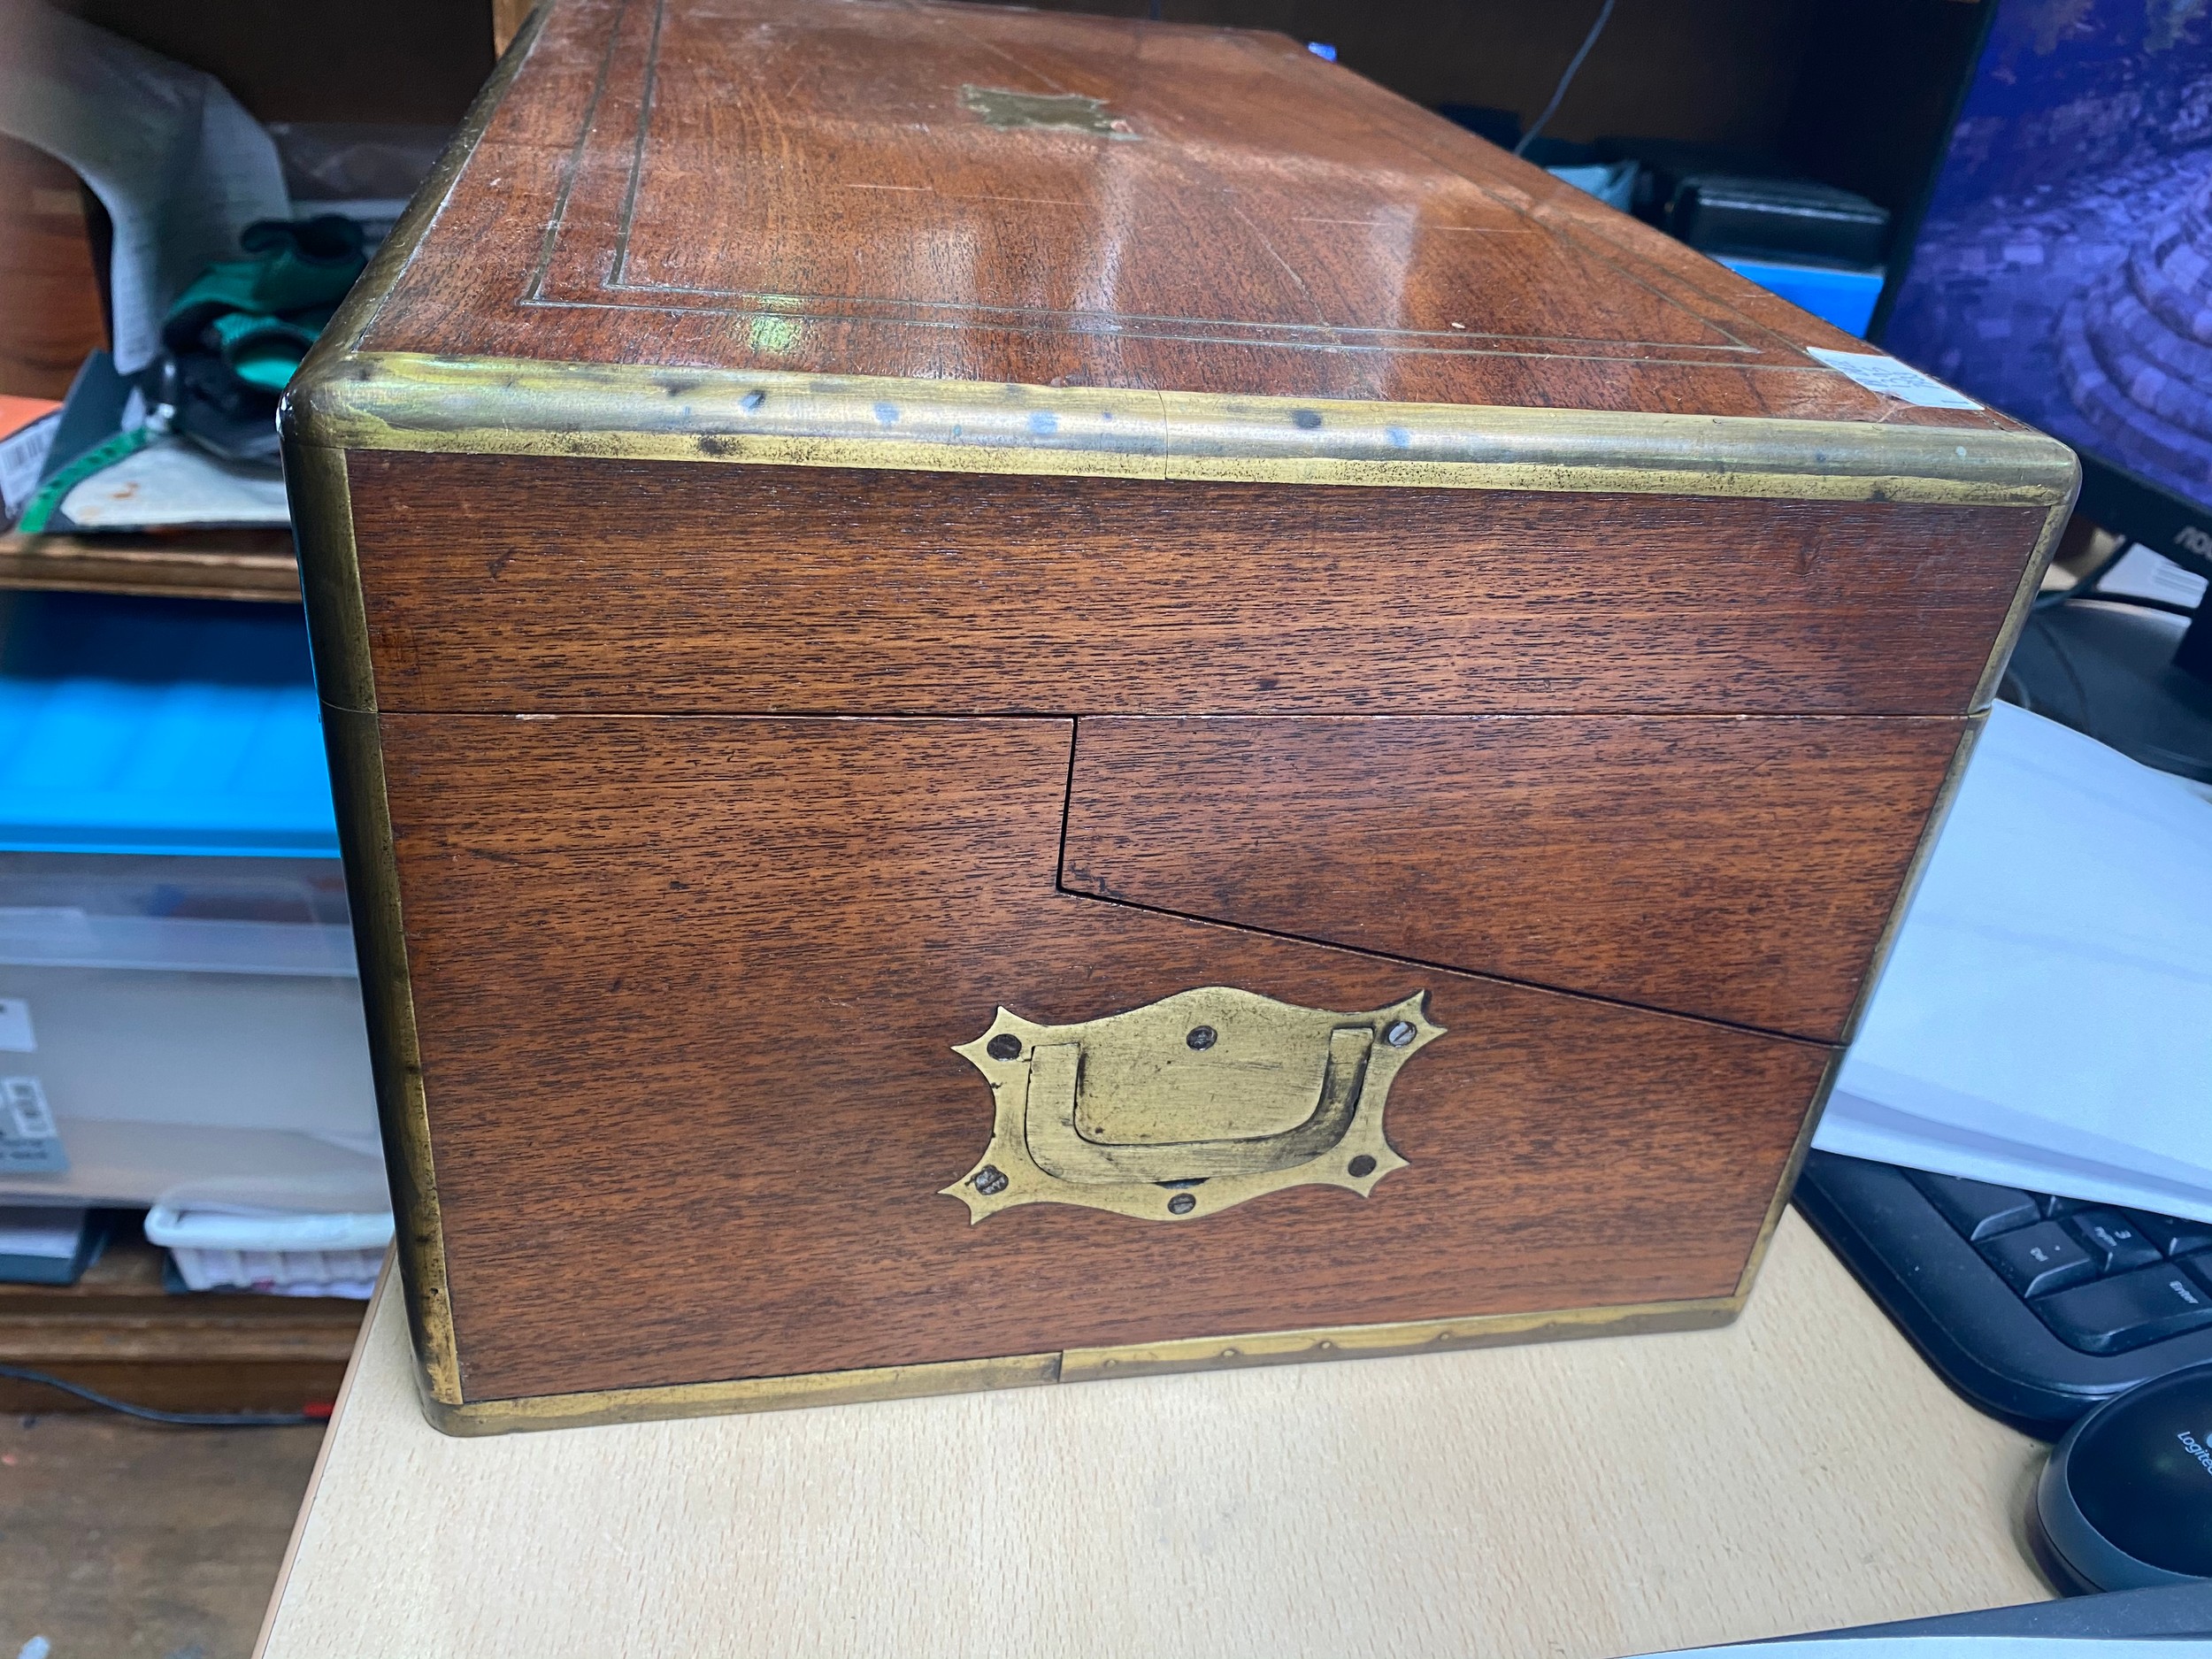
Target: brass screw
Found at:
x=1400, y=1032
x=990, y=1180
x=1181, y=1204
x=1201, y=1037
x=1362, y=1165
x=1005, y=1046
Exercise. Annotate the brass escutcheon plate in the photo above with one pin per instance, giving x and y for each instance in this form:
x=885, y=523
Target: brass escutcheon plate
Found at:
x=1189, y=1105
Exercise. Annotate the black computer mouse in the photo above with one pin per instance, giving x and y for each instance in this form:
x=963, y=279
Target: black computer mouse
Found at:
x=2125, y=1502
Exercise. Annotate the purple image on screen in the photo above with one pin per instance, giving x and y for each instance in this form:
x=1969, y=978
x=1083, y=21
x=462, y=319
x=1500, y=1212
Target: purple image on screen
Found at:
x=2063, y=272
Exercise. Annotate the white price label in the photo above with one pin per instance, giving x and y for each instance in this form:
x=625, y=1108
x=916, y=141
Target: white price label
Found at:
x=27, y=1112
x=29, y=1142
x=1878, y=371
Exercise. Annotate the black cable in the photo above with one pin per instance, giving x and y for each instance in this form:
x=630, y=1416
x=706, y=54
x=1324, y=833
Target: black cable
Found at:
x=1574, y=65
x=180, y=1419
x=2087, y=579
x=2066, y=663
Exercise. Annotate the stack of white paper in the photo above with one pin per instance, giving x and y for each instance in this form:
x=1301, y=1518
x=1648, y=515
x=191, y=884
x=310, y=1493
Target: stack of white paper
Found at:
x=2045, y=1018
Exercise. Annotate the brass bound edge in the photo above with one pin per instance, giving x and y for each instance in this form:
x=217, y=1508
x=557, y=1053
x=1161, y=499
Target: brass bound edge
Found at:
x=330, y=576
x=1075, y=1364
x=497, y=407
x=2024, y=599
x=1947, y=792
x=757, y=1393
x=365, y=838
x=331, y=585
x=1792, y=1166
x=1427, y=1336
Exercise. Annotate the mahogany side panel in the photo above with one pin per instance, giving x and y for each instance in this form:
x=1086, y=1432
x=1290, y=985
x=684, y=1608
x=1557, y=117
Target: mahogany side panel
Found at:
x=687, y=990
x=1738, y=869
x=549, y=583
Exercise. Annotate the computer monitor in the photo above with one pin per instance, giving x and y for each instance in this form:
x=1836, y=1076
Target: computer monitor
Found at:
x=2061, y=269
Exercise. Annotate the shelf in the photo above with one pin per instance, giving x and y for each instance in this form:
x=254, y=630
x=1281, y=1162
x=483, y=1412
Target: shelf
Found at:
x=117, y=1330
x=255, y=564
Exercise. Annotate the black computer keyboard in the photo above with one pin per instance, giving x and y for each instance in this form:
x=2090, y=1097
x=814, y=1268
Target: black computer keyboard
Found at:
x=2035, y=1308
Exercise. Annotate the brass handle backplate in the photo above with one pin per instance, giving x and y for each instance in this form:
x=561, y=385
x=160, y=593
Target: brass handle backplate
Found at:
x=1188, y=1105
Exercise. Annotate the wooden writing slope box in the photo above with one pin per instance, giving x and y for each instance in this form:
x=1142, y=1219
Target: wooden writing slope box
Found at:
x=1020, y=697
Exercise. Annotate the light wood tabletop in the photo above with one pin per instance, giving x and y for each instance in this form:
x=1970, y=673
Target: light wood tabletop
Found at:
x=1799, y=1469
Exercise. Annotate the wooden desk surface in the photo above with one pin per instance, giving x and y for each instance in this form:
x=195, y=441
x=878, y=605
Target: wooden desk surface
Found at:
x=1802, y=1469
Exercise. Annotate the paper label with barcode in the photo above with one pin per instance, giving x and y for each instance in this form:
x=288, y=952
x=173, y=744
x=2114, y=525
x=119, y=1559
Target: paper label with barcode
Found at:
x=28, y=1139
x=22, y=457
x=15, y=1036
x=1878, y=371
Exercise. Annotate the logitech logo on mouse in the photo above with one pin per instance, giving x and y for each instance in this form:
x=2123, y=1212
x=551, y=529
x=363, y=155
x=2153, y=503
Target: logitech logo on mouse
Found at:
x=2194, y=1446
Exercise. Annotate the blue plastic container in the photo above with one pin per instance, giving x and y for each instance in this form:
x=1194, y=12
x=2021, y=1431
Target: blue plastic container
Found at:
x=1835, y=294
x=160, y=726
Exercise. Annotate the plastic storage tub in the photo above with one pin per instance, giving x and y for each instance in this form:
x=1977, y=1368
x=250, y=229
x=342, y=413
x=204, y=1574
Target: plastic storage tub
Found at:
x=179, y=1004
x=299, y=1256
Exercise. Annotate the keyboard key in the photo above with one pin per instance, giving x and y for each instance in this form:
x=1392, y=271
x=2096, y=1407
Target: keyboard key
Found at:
x=2038, y=1260
x=2113, y=1241
x=2055, y=1206
x=2170, y=1233
x=2111, y=1315
x=1976, y=1207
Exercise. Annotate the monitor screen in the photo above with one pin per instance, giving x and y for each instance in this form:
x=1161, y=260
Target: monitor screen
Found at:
x=2063, y=272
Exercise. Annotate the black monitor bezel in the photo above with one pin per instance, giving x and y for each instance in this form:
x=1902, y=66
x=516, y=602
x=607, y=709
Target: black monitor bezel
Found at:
x=2163, y=520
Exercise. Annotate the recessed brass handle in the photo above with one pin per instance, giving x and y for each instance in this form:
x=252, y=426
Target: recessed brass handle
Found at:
x=1188, y=1105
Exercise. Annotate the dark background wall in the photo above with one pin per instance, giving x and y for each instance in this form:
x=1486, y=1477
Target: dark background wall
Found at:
x=396, y=61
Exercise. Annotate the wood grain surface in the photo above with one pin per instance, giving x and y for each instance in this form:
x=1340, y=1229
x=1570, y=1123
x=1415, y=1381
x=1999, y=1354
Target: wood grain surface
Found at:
x=687, y=990
x=249, y=565
x=538, y=584
x=1738, y=869
x=688, y=967
x=52, y=320
x=774, y=185
x=118, y=1331
x=1801, y=1469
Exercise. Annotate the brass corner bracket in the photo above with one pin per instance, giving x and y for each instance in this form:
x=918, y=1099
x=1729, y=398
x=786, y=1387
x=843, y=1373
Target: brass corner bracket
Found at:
x=1189, y=1105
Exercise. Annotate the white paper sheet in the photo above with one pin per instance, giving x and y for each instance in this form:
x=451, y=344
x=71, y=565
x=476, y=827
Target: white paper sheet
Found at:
x=171, y=485
x=1858, y=1128
x=2047, y=1010
x=30, y=1230
x=177, y=161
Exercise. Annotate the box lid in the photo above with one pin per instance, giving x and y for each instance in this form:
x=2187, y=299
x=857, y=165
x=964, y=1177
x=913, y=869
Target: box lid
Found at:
x=987, y=239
